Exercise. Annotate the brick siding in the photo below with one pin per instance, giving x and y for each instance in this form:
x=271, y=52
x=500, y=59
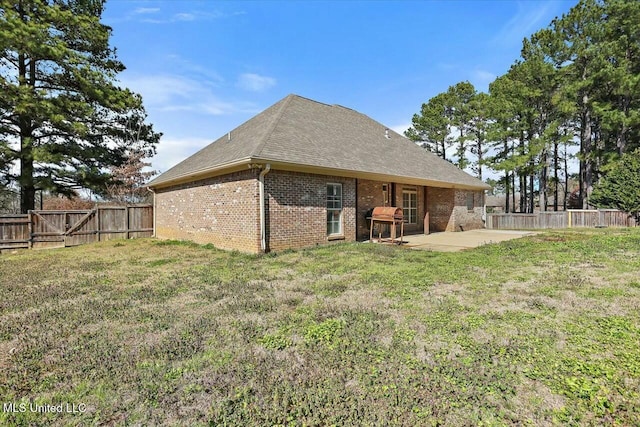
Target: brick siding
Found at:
x=222, y=210
x=448, y=209
x=370, y=196
x=465, y=219
x=297, y=209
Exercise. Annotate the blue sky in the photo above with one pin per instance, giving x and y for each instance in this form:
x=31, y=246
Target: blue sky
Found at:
x=205, y=67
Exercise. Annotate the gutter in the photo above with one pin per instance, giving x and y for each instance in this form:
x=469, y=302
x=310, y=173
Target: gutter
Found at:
x=263, y=227
x=154, y=210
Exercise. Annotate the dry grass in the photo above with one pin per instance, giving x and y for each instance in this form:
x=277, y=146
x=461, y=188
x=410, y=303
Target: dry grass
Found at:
x=543, y=330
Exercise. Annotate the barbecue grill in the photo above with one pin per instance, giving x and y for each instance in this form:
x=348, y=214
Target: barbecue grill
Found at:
x=387, y=215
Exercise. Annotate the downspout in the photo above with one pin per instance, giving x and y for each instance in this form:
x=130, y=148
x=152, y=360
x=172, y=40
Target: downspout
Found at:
x=484, y=208
x=154, y=211
x=263, y=227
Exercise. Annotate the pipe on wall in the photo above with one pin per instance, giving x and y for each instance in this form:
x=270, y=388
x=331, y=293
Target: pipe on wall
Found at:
x=154, y=211
x=263, y=226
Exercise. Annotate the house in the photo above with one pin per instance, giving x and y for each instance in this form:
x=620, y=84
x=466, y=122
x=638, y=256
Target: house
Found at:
x=303, y=173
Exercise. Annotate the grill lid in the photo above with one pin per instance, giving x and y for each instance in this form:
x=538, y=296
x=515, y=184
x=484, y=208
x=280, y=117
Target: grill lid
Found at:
x=388, y=213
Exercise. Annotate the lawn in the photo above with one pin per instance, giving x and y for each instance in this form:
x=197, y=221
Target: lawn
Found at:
x=543, y=330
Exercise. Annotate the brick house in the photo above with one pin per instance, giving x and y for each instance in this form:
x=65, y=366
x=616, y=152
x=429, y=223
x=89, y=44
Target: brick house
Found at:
x=303, y=173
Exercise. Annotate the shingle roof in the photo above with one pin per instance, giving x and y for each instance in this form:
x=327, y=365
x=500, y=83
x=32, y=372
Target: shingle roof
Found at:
x=300, y=131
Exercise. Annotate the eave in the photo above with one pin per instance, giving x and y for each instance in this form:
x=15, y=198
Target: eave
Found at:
x=250, y=162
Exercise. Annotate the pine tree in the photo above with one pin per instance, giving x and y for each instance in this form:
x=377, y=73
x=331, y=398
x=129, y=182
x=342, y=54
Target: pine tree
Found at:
x=432, y=127
x=620, y=187
x=63, y=118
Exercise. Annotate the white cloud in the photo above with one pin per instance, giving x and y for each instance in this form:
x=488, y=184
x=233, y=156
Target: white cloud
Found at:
x=529, y=18
x=401, y=128
x=146, y=10
x=255, y=82
x=196, y=15
x=172, y=151
x=482, y=78
x=165, y=92
x=184, y=66
x=184, y=17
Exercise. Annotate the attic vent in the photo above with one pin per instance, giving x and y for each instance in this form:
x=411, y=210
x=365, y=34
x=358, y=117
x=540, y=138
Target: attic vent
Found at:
x=386, y=133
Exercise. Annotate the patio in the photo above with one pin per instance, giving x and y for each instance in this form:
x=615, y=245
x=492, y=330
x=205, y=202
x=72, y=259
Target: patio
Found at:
x=458, y=241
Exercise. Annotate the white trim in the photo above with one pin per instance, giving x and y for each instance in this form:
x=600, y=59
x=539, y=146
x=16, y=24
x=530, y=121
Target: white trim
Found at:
x=341, y=219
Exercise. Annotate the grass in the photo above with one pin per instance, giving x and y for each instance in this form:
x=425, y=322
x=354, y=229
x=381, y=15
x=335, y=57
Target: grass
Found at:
x=543, y=330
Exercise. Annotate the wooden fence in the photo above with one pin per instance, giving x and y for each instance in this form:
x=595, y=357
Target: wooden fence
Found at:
x=565, y=219
x=53, y=229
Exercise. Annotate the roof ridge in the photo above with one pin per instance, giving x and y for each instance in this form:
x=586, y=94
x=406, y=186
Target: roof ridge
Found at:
x=272, y=125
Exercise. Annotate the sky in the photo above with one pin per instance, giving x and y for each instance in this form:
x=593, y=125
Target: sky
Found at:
x=205, y=67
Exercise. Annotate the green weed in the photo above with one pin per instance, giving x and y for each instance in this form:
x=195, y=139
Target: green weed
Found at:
x=537, y=331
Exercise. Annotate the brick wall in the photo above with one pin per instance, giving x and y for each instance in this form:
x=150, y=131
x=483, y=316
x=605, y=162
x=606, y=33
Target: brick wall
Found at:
x=296, y=209
x=223, y=210
x=440, y=204
x=418, y=227
x=370, y=195
x=448, y=209
x=465, y=219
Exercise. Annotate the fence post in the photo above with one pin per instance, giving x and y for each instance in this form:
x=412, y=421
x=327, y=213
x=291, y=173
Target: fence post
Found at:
x=30, y=230
x=126, y=220
x=95, y=223
x=569, y=219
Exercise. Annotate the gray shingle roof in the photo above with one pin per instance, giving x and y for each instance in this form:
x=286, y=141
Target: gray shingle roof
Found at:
x=300, y=131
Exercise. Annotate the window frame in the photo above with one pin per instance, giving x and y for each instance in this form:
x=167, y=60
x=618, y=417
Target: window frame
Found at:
x=409, y=218
x=333, y=209
x=471, y=201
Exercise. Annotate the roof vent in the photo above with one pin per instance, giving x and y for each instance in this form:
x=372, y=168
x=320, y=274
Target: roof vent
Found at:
x=386, y=133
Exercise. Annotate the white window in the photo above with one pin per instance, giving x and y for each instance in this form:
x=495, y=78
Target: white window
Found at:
x=334, y=209
x=410, y=206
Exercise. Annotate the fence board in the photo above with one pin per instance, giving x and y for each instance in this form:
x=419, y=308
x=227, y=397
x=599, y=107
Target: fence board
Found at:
x=47, y=229
x=564, y=219
x=14, y=231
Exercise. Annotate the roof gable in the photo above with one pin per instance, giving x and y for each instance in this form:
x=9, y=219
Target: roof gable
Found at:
x=304, y=132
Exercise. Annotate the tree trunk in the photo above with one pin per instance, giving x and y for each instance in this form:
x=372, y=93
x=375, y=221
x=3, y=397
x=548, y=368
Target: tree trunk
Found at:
x=543, y=181
x=586, y=163
x=513, y=192
x=506, y=190
x=507, y=183
x=27, y=187
x=479, y=147
x=555, y=176
x=532, y=203
x=566, y=178
x=523, y=192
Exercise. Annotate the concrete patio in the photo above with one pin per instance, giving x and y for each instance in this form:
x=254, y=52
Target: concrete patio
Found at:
x=458, y=241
